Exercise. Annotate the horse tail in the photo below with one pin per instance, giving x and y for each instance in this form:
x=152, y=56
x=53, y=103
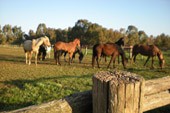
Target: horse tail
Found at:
x=94, y=54
x=123, y=56
x=54, y=53
x=135, y=49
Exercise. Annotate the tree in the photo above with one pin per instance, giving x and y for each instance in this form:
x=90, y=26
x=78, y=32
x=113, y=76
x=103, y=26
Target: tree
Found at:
x=41, y=30
x=32, y=34
x=132, y=32
x=79, y=30
x=17, y=32
x=143, y=37
x=7, y=29
x=51, y=34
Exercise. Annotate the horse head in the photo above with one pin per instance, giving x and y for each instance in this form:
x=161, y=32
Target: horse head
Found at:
x=162, y=63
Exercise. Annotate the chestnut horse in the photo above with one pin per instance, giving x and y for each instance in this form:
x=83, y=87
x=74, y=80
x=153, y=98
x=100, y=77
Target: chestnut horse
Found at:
x=150, y=51
x=31, y=47
x=108, y=49
x=70, y=47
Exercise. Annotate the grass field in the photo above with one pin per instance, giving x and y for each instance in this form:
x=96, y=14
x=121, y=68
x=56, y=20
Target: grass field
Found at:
x=22, y=85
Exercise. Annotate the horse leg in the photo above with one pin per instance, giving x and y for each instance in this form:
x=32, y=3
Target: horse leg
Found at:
x=93, y=60
x=133, y=58
x=111, y=60
x=105, y=59
x=58, y=57
x=30, y=57
x=147, y=60
x=36, y=54
x=26, y=57
x=152, y=67
x=70, y=57
x=124, y=61
x=97, y=60
x=114, y=63
x=65, y=53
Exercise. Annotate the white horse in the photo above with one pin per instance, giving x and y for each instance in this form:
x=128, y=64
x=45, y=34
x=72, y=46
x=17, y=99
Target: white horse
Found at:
x=31, y=47
x=48, y=51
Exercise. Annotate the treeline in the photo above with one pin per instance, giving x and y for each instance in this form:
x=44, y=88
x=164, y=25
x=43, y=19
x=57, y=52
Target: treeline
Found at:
x=88, y=32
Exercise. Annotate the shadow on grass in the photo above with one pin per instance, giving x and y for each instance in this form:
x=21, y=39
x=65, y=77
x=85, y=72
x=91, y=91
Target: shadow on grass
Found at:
x=12, y=58
x=43, y=87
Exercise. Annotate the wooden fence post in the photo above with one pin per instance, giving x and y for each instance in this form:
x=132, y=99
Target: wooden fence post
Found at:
x=117, y=92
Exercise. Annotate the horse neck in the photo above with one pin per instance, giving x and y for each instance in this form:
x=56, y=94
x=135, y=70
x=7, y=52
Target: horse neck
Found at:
x=37, y=43
x=119, y=43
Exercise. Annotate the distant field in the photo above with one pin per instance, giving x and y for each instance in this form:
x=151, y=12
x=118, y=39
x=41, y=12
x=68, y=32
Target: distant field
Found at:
x=22, y=85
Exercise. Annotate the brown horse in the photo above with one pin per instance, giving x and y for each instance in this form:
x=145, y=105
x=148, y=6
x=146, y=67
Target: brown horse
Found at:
x=70, y=47
x=150, y=51
x=108, y=49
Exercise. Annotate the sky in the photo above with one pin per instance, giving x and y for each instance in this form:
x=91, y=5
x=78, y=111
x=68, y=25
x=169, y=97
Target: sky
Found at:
x=151, y=16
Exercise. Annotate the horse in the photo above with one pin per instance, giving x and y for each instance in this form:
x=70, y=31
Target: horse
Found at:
x=42, y=52
x=81, y=55
x=150, y=51
x=70, y=47
x=48, y=51
x=32, y=46
x=120, y=43
x=108, y=49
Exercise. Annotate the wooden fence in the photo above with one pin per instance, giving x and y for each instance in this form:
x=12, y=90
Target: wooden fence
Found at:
x=112, y=92
x=124, y=92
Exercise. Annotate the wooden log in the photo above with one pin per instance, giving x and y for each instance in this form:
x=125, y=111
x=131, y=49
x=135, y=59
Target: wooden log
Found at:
x=123, y=92
x=157, y=85
x=156, y=100
x=100, y=92
x=76, y=103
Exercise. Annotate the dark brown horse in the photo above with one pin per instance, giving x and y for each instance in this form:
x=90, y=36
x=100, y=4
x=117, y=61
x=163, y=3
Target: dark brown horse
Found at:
x=150, y=51
x=70, y=47
x=81, y=55
x=120, y=43
x=108, y=49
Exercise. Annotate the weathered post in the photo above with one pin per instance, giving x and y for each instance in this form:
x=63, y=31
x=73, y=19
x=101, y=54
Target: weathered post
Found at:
x=117, y=92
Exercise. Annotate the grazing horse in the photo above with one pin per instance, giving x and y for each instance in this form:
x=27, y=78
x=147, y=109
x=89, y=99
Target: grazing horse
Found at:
x=81, y=55
x=108, y=49
x=42, y=52
x=48, y=51
x=150, y=51
x=70, y=47
x=31, y=47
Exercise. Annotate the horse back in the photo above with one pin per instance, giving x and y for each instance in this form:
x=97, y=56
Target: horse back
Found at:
x=69, y=47
x=110, y=48
x=27, y=45
x=146, y=50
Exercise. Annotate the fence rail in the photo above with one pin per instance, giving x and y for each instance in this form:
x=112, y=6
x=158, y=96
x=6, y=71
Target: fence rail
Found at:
x=124, y=92
x=112, y=92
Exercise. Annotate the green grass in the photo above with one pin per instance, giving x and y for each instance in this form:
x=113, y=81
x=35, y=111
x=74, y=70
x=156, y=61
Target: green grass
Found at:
x=22, y=85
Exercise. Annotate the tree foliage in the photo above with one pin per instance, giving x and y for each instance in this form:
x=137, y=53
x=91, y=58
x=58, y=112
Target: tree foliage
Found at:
x=89, y=33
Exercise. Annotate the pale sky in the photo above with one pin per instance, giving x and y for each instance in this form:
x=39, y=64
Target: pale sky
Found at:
x=152, y=16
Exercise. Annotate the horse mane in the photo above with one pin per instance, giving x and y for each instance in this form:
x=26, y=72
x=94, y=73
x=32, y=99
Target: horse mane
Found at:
x=120, y=42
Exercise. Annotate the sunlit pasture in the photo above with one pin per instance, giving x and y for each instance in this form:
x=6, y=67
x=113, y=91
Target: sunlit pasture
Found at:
x=23, y=85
